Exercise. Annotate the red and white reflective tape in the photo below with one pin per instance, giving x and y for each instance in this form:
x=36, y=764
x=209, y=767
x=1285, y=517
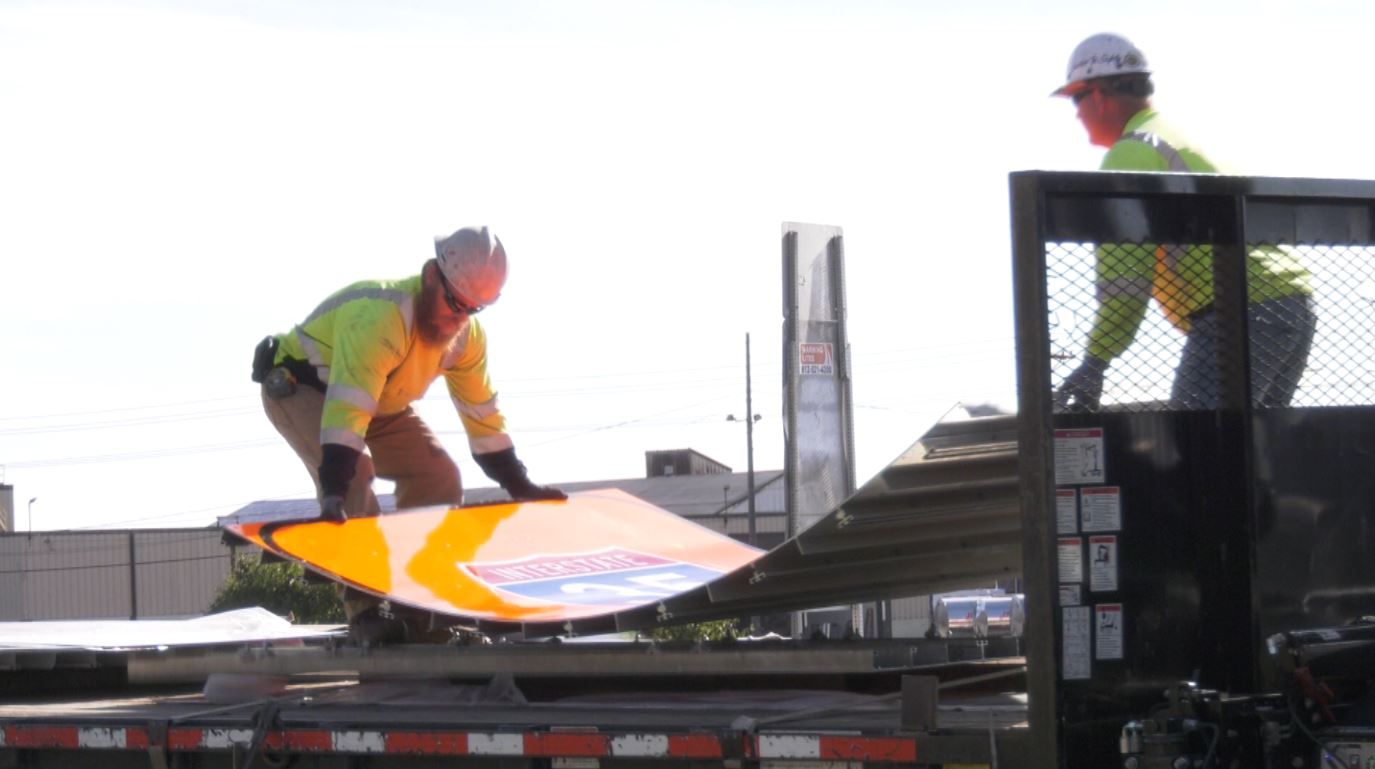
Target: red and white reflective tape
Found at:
x=835, y=748
x=572, y=744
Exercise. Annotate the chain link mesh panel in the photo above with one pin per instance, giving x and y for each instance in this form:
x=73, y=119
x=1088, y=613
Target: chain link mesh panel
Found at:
x=1149, y=309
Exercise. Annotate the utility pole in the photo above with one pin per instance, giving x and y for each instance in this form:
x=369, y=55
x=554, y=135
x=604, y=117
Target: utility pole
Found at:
x=750, y=419
x=749, y=438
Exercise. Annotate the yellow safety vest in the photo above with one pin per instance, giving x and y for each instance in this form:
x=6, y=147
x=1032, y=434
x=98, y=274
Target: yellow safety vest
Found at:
x=365, y=347
x=1178, y=277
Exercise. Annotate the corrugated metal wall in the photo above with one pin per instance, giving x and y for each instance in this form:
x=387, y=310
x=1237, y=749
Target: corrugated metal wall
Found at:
x=6, y=507
x=87, y=575
x=911, y=616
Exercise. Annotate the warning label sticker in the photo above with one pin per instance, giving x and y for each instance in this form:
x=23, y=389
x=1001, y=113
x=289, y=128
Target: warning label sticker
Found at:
x=1074, y=636
x=816, y=358
x=1068, y=554
x=1108, y=631
x=1066, y=511
x=1103, y=563
x=1079, y=456
x=1070, y=595
x=1102, y=508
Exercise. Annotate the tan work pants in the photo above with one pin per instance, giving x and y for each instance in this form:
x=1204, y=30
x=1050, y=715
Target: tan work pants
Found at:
x=400, y=448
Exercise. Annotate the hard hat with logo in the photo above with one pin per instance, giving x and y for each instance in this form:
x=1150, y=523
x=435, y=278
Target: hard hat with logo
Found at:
x=1102, y=55
x=474, y=262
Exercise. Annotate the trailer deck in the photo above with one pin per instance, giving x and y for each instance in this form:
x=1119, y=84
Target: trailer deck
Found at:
x=706, y=707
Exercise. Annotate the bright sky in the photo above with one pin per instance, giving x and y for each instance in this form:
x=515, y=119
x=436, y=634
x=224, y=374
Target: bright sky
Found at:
x=178, y=179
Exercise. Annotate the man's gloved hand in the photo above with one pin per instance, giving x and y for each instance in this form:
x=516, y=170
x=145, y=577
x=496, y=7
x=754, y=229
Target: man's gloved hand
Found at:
x=529, y=492
x=1082, y=389
x=503, y=467
x=332, y=508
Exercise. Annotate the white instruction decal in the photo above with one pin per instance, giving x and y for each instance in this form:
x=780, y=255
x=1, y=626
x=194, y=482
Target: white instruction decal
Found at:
x=1070, y=595
x=1103, y=563
x=1102, y=508
x=1079, y=456
x=1108, y=621
x=1074, y=633
x=1068, y=552
x=1066, y=511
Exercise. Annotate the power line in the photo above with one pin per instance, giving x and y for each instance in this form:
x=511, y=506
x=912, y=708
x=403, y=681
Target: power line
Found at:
x=511, y=385
x=105, y=540
x=161, y=453
x=627, y=422
x=152, y=420
x=957, y=349
x=121, y=408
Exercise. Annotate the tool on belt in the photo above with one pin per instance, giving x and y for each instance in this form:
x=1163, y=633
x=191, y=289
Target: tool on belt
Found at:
x=279, y=380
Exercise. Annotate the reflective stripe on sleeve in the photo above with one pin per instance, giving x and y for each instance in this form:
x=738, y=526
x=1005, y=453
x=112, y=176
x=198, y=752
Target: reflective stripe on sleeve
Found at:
x=313, y=354
x=343, y=437
x=477, y=411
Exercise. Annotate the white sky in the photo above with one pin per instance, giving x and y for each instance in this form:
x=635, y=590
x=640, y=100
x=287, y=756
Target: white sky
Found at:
x=178, y=179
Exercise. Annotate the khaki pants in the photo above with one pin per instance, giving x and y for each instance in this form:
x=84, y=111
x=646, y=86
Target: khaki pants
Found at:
x=400, y=448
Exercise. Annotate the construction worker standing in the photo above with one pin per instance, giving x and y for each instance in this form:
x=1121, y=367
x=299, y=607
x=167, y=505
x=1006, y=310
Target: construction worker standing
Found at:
x=1110, y=85
x=339, y=386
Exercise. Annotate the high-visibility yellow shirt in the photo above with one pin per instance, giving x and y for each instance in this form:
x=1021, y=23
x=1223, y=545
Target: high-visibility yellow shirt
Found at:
x=1178, y=277
x=364, y=344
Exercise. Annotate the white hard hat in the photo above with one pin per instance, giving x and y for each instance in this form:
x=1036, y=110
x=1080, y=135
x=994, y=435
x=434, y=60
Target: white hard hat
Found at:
x=474, y=262
x=1102, y=55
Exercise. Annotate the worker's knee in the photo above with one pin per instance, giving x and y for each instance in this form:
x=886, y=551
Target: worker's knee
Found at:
x=438, y=484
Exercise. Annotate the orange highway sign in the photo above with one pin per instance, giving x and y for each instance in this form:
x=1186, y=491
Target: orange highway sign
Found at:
x=597, y=553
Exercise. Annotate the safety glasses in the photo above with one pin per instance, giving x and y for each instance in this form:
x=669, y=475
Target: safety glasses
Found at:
x=457, y=307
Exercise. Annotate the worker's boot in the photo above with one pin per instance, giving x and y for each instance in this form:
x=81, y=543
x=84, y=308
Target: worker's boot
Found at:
x=371, y=620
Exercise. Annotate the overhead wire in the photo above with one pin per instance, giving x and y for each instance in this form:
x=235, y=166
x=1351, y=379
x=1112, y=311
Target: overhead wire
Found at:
x=869, y=361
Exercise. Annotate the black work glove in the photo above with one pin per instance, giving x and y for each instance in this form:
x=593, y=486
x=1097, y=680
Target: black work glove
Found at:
x=503, y=467
x=336, y=473
x=1082, y=389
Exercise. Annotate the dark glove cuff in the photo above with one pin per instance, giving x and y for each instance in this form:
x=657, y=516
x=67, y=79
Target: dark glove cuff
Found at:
x=503, y=467
x=337, y=469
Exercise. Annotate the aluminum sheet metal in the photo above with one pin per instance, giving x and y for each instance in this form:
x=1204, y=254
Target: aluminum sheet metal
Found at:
x=943, y=516
x=511, y=565
x=231, y=627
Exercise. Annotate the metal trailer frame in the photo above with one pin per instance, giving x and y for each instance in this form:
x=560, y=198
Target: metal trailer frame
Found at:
x=1077, y=208
x=678, y=719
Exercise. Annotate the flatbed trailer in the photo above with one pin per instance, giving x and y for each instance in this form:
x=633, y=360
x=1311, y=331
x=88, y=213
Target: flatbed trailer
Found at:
x=443, y=706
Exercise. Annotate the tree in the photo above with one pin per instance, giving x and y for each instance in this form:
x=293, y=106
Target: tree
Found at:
x=718, y=630
x=280, y=588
